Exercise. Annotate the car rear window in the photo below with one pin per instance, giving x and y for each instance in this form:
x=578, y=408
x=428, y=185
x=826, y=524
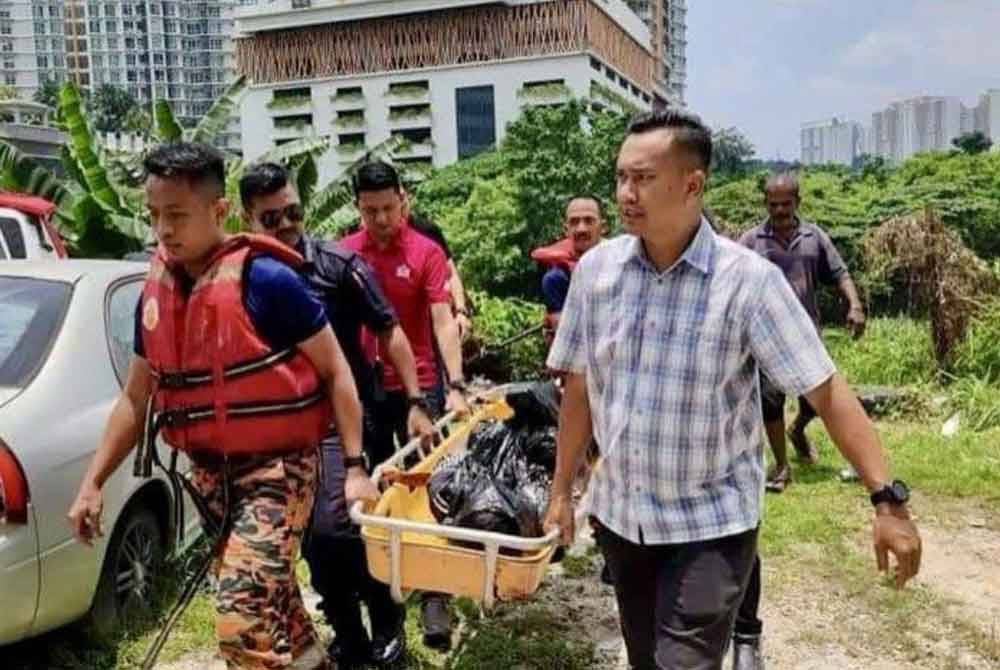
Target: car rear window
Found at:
x=31, y=311
x=11, y=230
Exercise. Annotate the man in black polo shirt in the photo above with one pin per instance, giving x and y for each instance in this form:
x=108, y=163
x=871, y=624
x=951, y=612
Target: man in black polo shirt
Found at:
x=352, y=297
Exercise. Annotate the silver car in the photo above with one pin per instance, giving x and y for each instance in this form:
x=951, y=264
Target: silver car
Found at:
x=66, y=337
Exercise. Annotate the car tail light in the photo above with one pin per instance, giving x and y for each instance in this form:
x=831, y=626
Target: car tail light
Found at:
x=13, y=488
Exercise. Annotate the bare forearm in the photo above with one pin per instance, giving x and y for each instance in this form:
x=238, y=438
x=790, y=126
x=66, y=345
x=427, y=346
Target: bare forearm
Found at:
x=446, y=332
x=397, y=349
x=120, y=436
x=575, y=432
x=851, y=430
x=457, y=289
x=850, y=292
x=346, y=412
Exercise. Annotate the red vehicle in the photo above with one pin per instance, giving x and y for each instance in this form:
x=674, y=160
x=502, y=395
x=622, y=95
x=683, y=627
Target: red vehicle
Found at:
x=26, y=228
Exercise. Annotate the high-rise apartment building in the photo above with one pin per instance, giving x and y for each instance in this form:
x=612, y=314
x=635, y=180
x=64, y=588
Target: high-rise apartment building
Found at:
x=446, y=76
x=667, y=23
x=831, y=141
x=178, y=50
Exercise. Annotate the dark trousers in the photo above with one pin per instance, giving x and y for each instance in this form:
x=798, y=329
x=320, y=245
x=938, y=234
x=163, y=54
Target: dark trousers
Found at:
x=678, y=602
x=336, y=554
x=340, y=575
x=391, y=414
x=748, y=625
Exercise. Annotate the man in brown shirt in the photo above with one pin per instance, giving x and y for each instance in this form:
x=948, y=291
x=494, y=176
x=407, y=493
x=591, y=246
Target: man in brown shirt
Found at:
x=807, y=257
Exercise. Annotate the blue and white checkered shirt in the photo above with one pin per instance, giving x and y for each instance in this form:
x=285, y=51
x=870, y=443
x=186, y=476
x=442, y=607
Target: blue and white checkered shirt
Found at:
x=671, y=362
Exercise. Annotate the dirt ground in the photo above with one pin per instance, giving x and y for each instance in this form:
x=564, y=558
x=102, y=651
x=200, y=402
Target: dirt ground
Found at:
x=818, y=621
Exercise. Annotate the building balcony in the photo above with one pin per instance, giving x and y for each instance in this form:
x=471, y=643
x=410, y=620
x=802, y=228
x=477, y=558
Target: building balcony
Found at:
x=348, y=153
x=409, y=92
x=351, y=99
x=294, y=130
x=415, y=150
x=544, y=93
x=350, y=122
x=410, y=116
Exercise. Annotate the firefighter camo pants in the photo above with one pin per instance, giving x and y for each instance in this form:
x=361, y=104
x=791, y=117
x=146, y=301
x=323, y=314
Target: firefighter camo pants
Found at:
x=261, y=622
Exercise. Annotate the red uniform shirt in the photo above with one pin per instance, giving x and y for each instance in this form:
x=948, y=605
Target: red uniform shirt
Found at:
x=414, y=274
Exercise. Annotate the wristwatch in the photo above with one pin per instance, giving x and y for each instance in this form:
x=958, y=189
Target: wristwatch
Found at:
x=458, y=385
x=418, y=401
x=894, y=493
x=354, y=462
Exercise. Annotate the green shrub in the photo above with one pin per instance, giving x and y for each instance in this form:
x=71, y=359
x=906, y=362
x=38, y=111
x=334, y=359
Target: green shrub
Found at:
x=496, y=320
x=978, y=355
x=893, y=352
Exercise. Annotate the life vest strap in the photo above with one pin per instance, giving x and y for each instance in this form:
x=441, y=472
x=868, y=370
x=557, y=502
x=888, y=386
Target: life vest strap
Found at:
x=181, y=416
x=187, y=379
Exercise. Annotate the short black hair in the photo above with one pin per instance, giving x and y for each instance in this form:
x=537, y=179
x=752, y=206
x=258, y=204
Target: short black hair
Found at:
x=194, y=162
x=690, y=133
x=261, y=179
x=587, y=196
x=375, y=176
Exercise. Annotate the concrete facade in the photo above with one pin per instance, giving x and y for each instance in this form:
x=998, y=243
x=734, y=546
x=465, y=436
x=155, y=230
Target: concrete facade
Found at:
x=438, y=109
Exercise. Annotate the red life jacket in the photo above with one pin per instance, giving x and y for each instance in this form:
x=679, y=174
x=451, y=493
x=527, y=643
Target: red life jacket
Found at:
x=557, y=255
x=219, y=387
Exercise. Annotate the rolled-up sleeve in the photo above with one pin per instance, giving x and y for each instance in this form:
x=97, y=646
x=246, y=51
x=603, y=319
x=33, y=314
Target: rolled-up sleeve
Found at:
x=568, y=353
x=783, y=339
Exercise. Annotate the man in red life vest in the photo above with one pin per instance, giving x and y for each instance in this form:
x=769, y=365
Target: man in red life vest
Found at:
x=584, y=227
x=236, y=360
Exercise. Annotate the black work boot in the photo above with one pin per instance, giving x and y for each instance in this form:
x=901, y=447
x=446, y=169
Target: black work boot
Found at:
x=436, y=621
x=350, y=653
x=746, y=653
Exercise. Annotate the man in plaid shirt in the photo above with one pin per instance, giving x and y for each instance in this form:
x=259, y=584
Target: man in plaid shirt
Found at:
x=661, y=339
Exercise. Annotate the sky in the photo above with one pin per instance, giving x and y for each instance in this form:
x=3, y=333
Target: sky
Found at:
x=767, y=66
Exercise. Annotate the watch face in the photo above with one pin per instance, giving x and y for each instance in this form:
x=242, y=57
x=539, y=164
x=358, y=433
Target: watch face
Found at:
x=900, y=491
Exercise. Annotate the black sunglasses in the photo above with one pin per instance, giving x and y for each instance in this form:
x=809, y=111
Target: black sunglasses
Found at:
x=272, y=218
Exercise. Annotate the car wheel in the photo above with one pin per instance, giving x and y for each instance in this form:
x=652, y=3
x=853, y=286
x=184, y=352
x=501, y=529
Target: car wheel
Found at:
x=131, y=569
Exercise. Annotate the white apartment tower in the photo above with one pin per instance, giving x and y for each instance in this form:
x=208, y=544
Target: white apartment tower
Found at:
x=446, y=76
x=178, y=50
x=831, y=141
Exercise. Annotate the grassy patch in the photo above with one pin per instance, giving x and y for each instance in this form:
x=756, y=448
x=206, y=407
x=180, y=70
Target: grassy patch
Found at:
x=893, y=352
x=79, y=647
x=578, y=566
x=526, y=637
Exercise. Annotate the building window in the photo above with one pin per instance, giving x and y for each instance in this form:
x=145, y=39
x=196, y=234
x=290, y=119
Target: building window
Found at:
x=475, y=118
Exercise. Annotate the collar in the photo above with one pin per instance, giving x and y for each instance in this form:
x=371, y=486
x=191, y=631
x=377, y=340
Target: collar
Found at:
x=767, y=229
x=699, y=254
x=307, y=247
x=368, y=242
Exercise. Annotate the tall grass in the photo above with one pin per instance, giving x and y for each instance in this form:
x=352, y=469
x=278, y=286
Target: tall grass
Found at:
x=893, y=352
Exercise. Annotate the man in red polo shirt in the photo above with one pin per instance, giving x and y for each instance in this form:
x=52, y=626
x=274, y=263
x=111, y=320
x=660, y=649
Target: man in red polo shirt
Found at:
x=414, y=274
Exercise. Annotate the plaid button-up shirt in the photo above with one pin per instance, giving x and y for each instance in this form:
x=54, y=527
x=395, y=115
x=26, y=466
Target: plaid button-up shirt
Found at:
x=671, y=362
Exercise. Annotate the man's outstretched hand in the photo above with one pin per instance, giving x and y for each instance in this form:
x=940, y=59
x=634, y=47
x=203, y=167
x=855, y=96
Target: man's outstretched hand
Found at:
x=895, y=533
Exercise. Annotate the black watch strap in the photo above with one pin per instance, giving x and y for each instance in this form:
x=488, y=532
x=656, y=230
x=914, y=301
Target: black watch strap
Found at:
x=354, y=462
x=458, y=385
x=895, y=493
x=418, y=401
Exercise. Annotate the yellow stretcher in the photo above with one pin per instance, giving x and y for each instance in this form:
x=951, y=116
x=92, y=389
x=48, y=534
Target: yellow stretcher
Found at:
x=408, y=550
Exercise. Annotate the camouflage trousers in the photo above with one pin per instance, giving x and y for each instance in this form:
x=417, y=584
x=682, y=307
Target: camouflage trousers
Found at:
x=261, y=622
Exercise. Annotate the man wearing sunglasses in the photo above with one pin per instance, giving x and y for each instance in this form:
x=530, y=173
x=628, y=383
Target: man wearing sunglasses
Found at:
x=353, y=298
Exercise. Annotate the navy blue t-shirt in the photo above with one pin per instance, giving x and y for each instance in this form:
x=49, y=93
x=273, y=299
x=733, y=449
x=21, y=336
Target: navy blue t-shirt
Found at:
x=282, y=308
x=555, y=288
